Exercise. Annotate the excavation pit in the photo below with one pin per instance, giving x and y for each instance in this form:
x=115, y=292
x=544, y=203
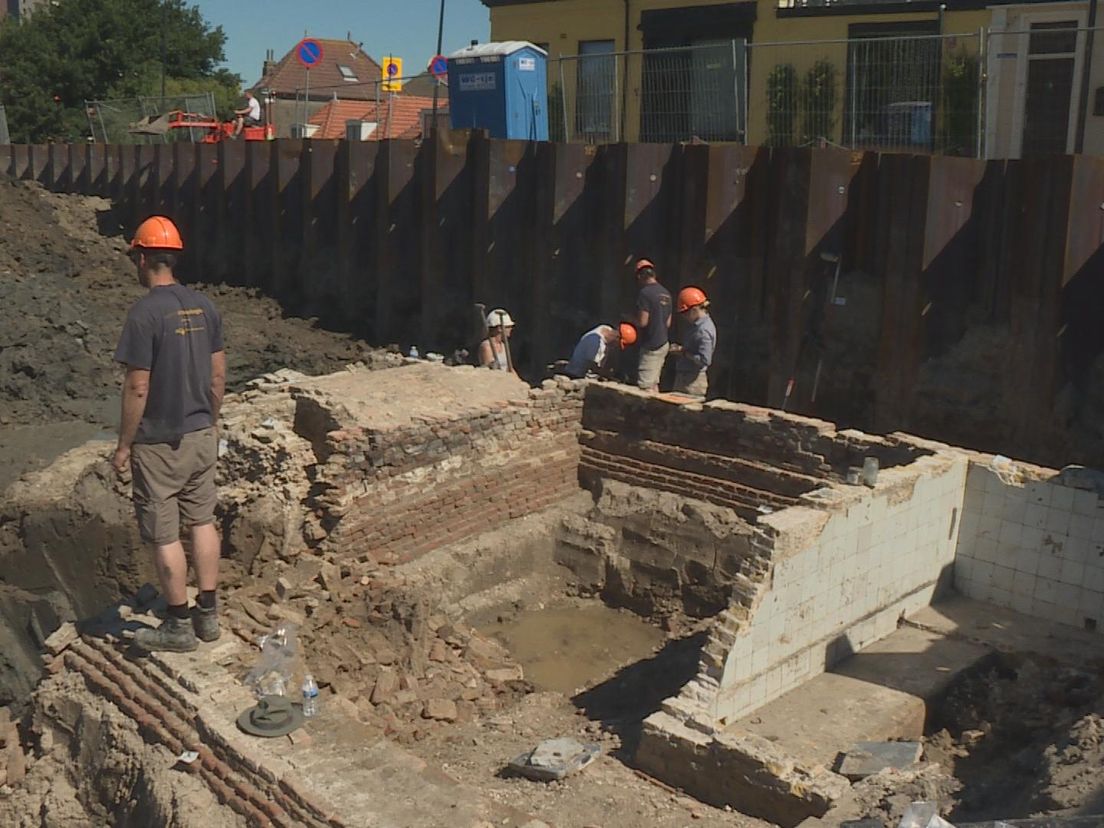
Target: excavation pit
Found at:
x=477, y=566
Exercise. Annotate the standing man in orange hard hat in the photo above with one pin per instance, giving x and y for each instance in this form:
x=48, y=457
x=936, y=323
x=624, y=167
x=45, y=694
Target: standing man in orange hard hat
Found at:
x=695, y=354
x=653, y=307
x=172, y=348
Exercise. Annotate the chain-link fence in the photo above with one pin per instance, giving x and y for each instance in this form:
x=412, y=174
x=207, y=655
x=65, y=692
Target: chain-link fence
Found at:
x=913, y=94
x=134, y=120
x=658, y=95
x=5, y=136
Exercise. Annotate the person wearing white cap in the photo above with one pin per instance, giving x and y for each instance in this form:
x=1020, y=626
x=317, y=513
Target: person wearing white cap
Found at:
x=494, y=351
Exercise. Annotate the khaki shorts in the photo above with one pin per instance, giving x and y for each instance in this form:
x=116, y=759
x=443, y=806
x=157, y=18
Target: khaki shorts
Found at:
x=692, y=383
x=651, y=366
x=174, y=485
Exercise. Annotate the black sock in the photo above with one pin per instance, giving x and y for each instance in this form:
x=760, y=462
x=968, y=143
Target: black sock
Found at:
x=207, y=599
x=179, y=610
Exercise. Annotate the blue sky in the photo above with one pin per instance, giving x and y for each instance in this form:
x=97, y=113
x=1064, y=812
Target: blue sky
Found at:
x=404, y=28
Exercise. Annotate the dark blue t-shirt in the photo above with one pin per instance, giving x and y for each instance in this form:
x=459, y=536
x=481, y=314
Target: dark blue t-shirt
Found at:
x=172, y=332
x=656, y=300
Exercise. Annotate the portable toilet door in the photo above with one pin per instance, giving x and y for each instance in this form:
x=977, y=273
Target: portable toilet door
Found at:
x=526, y=74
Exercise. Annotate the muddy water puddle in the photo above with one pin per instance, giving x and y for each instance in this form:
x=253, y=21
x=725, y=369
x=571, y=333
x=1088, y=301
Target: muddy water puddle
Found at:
x=566, y=649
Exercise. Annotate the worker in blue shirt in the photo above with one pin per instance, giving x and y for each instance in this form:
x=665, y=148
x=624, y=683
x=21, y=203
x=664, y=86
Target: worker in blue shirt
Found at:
x=694, y=356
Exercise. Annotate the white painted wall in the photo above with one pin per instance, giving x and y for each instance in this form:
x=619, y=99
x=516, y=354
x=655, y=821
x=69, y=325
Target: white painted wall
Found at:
x=1036, y=548
x=842, y=578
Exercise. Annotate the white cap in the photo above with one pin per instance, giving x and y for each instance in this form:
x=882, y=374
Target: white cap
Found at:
x=499, y=318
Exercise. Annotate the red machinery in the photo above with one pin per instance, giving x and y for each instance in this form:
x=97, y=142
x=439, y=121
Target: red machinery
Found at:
x=210, y=129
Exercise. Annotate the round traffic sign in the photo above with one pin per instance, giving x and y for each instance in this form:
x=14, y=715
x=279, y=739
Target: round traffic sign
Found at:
x=392, y=69
x=438, y=67
x=308, y=52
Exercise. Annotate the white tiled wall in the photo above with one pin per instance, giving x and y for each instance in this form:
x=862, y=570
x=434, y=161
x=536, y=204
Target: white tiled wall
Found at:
x=1036, y=548
x=871, y=563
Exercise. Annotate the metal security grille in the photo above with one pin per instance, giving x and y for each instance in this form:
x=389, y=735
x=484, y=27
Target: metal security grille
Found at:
x=659, y=95
x=913, y=94
x=113, y=121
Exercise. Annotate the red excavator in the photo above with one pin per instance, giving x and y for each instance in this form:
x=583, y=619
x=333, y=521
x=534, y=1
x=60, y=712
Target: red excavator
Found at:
x=209, y=129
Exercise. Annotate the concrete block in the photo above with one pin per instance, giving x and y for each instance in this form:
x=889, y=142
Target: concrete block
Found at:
x=1061, y=497
x=983, y=572
x=1091, y=604
x=1038, y=492
x=1098, y=529
x=1068, y=595
x=986, y=550
x=1000, y=597
x=1043, y=609
x=1085, y=503
x=1027, y=559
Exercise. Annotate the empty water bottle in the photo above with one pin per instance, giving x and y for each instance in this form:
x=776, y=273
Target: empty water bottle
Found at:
x=414, y=352
x=310, y=696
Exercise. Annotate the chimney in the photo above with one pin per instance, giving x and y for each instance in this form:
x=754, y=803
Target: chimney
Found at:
x=475, y=43
x=269, y=63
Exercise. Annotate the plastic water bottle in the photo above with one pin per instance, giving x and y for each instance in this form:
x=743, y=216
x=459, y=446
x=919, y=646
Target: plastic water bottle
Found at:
x=310, y=696
x=414, y=352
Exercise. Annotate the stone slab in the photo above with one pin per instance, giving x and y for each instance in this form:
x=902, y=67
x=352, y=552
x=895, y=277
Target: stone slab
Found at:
x=868, y=758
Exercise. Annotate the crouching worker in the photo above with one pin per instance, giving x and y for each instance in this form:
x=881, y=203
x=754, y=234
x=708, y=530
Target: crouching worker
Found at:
x=171, y=346
x=593, y=353
x=699, y=340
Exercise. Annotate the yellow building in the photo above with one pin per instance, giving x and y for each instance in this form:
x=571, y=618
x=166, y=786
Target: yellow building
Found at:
x=913, y=76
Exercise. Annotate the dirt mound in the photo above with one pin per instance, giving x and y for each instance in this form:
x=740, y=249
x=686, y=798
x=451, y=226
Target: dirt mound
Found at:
x=1024, y=737
x=67, y=287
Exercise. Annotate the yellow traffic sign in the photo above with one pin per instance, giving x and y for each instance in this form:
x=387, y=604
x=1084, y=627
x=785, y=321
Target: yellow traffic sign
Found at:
x=392, y=74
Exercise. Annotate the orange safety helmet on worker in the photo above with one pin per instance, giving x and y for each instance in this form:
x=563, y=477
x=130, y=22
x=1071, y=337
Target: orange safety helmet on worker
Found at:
x=628, y=334
x=691, y=297
x=157, y=233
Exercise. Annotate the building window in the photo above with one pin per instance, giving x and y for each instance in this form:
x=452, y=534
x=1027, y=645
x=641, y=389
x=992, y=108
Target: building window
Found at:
x=347, y=73
x=594, y=90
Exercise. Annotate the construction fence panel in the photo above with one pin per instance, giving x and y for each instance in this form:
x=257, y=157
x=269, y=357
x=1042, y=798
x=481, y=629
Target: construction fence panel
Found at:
x=902, y=94
x=696, y=93
x=115, y=121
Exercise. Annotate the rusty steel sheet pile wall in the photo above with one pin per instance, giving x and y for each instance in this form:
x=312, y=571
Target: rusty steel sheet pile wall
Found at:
x=964, y=308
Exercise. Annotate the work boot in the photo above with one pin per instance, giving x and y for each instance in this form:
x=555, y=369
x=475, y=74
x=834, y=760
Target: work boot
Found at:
x=175, y=635
x=206, y=623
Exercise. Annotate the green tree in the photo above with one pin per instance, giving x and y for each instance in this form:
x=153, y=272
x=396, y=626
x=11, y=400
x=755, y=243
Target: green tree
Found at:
x=77, y=50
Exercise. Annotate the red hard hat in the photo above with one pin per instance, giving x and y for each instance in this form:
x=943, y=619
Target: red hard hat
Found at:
x=641, y=264
x=690, y=297
x=628, y=334
x=159, y=233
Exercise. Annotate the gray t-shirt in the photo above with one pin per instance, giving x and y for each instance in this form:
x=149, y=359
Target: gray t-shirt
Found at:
x=172, y=332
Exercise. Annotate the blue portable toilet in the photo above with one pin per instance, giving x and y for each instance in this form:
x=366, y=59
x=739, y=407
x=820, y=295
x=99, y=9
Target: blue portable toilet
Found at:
x=502, y=88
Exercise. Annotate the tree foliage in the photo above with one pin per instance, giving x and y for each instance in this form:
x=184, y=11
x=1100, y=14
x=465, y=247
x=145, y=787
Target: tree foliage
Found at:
x=77, y=50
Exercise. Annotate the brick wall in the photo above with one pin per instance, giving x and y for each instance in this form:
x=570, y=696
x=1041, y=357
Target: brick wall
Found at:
x=731, y=454
x=395, y=494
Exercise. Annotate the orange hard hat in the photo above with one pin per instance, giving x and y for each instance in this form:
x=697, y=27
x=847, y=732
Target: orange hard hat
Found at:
x=690, y=297
x=628, y=334
x=159, y=233
x=642, y=264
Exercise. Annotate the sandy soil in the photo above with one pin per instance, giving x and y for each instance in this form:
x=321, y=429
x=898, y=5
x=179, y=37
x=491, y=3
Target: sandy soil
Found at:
x=66, y=288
